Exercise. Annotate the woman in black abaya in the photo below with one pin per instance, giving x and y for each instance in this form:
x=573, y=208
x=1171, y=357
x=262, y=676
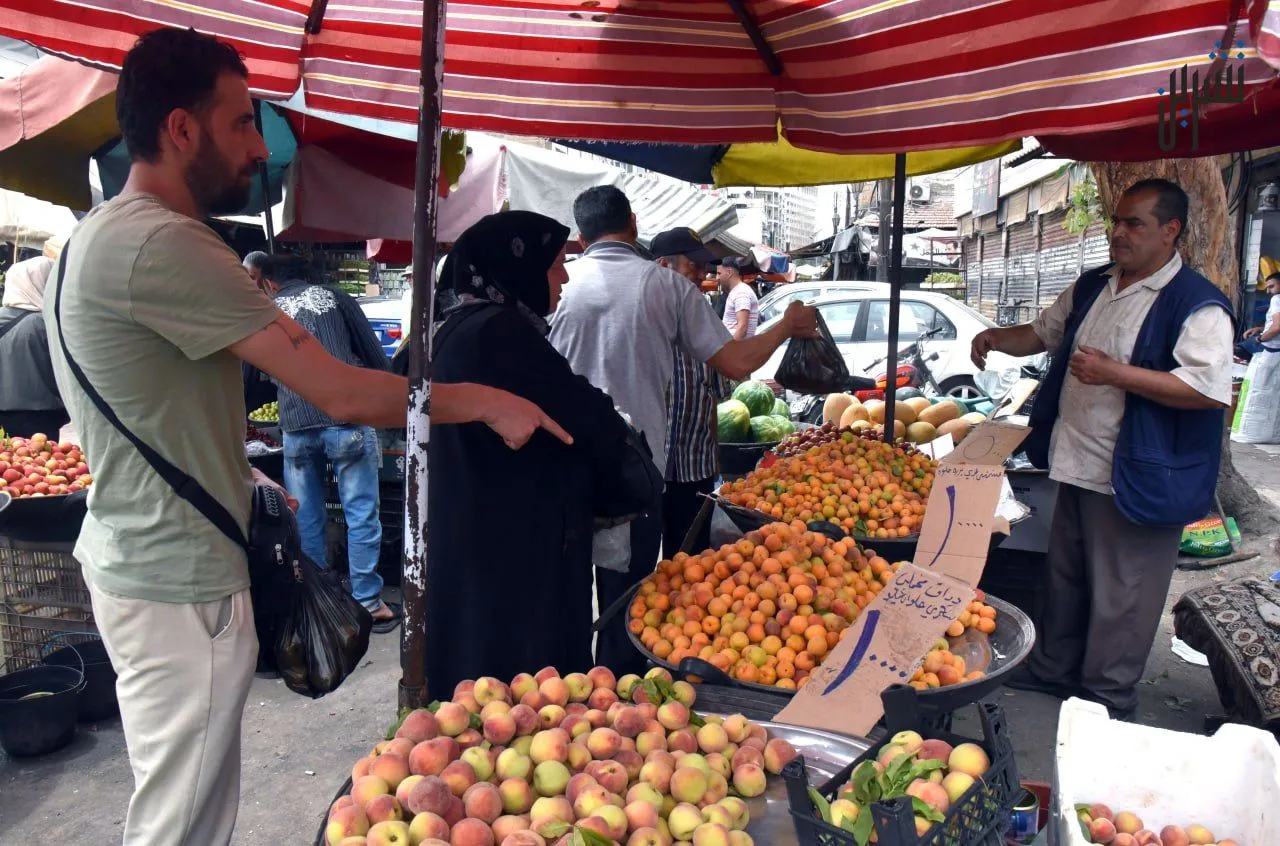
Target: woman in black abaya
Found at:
x=509, y=547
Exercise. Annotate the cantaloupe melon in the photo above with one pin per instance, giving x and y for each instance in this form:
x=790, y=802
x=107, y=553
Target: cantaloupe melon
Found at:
x=918, y=404
x=921, y=432
x=835, y=406
x=901, y=411
x=853, y=414
x=973, y=418
x=860, y=426
x=958, y=429
x=872, y=405
x=940, y=413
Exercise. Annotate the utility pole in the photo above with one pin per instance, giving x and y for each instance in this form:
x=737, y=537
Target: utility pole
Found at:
x=885, y=190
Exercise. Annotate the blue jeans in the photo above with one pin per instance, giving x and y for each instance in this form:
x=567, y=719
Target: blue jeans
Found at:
x=356, y=457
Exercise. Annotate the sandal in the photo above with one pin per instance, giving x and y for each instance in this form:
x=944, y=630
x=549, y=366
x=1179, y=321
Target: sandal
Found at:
x=382, y=625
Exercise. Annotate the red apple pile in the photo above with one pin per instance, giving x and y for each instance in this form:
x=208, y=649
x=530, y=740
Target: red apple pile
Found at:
x=37, y=466
x=550, y=761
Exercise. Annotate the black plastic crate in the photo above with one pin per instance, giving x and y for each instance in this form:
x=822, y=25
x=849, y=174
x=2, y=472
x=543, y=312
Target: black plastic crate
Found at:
x=981, y=815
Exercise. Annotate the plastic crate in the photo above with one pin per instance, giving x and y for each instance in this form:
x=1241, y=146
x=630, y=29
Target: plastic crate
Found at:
x=980, y=815
x=42, y=596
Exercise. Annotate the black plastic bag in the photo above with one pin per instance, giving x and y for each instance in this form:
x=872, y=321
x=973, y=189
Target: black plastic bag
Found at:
x=324, y=635
x=813, y=365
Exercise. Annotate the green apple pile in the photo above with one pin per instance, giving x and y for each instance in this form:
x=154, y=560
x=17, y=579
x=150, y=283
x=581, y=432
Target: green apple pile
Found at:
x=933, y=773
x=269, y=413
x=580, y=759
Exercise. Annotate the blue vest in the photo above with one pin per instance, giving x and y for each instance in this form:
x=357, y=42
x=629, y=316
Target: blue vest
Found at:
x=1165, y=466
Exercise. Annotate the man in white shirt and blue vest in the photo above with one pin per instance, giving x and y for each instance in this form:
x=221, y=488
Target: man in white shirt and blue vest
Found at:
x=1129, y=422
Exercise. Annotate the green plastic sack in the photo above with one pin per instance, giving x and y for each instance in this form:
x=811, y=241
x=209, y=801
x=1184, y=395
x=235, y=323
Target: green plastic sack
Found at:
x=1209, y=538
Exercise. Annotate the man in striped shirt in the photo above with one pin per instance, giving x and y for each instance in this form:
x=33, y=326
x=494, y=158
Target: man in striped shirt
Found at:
x=691, y=409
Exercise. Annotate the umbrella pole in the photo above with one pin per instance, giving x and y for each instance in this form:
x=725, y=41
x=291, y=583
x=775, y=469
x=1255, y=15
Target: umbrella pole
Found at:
x=413, y=638
x=895, y=288
x=263, y=179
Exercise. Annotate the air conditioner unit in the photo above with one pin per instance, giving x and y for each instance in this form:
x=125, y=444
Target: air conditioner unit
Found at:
x=920, y=192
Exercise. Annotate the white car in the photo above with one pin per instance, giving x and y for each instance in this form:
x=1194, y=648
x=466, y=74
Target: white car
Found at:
x=859, y=323
x=776, y=301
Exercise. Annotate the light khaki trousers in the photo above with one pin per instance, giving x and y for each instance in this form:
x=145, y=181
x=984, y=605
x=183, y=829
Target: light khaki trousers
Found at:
x=183, y=676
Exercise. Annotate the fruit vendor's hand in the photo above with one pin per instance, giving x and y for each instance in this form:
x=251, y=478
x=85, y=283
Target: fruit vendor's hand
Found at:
x=516, y=419
x=1249, y=333
x=983, y=343
x=1093, y=367
x=801, y=320
x=260, y=478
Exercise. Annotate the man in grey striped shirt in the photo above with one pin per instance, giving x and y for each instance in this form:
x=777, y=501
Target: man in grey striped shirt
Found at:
x=691, y=410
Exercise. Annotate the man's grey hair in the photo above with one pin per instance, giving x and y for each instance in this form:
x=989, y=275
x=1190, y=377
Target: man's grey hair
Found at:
x=263, y=262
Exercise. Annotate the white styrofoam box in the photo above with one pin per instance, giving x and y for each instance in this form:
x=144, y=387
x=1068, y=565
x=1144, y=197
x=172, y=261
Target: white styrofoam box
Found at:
x=1229, y=783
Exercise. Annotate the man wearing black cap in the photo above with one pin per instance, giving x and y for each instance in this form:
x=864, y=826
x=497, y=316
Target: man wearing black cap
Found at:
x=691, y=412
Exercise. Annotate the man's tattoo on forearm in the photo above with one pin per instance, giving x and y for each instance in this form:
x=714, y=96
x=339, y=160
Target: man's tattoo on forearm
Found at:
x=298, y=338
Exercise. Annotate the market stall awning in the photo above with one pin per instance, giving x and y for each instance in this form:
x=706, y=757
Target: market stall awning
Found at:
x=28, y=222
x=840, y=76
x=779, y=164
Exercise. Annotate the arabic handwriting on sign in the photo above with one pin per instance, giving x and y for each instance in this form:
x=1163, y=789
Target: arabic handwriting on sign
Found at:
x=951, y=519
x=859, y=651
x=1185, y=98
x=931, y=600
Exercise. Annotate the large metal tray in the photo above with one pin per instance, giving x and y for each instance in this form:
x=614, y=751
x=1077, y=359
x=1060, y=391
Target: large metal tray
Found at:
x=825, y=754
x=1008, y=646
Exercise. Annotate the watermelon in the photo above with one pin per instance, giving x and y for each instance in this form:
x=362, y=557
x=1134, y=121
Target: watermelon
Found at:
x=781, y=409
x=767, y=429
x=733, y=422
x=785, y=422
x=756, y=396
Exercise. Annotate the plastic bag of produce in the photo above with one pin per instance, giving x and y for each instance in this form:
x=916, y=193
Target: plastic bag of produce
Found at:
x=323, y=636
x=1209, y=538
x=813, y=365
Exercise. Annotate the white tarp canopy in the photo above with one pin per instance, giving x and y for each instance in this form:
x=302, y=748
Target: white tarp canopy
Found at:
x=28, y=222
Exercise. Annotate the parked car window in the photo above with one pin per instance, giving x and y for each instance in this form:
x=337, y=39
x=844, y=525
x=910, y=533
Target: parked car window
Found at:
x=840, y=319
x=914, y=318
x=927, y=317
x=779, y=305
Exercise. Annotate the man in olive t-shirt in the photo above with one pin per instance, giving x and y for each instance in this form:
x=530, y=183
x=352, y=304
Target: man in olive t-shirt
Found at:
x=158, y=312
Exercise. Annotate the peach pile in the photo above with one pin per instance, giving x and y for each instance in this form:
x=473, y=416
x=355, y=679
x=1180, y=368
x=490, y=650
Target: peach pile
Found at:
x=863, y=485
x=932, y=772
x=770, y=607
x=37, y=466
x=535, y=761
x=1127, y=829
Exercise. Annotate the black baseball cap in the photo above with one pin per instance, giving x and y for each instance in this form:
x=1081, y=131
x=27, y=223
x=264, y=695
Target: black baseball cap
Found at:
x=681, y=242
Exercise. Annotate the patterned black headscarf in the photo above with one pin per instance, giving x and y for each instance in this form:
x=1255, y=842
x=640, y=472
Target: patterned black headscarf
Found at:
x=502, y=259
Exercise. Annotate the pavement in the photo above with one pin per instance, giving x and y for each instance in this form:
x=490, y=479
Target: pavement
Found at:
x=297, y=751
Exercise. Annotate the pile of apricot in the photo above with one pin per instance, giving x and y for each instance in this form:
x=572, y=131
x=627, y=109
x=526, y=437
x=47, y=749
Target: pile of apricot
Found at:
x=770, y=607
x=861, y=484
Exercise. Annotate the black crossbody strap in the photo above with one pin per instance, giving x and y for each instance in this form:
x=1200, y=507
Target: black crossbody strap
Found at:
x=183, y=485
x=13, y=324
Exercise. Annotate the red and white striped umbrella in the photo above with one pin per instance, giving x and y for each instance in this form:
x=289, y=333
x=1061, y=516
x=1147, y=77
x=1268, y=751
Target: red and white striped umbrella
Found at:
x=849, y=76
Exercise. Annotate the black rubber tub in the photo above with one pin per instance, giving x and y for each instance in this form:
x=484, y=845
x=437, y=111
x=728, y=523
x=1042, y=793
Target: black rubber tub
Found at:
x=38, y=709
x=98, y=698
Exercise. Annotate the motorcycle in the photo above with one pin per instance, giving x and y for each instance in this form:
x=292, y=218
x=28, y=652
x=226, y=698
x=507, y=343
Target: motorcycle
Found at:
x=913, y=372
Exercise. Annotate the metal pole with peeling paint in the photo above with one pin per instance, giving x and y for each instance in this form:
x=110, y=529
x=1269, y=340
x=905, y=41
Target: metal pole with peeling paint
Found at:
x=413, y=637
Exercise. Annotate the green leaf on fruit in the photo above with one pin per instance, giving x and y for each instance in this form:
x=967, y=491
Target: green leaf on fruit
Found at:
x=587, y=837
x=1082, y=809
x=866, y=785
x=651, y=691
x=820, y=802
x=395, y=727
x=434, y=706
x=477, y=723
x=696, y=721
x=862, y=827
x=922, y=808
x=921, y=769
x=555, y=830
x=897, y=775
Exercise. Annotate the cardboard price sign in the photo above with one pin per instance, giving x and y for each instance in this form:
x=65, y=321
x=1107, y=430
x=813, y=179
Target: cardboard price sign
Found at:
x=923, y=598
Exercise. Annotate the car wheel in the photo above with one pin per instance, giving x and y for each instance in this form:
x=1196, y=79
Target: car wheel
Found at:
x=960, y=387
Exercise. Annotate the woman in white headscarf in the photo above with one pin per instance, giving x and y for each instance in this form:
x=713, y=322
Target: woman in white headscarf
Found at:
x=29, y=399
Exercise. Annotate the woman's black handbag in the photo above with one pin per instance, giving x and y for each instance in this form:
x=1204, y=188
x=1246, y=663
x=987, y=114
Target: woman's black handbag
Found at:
x=277, y=565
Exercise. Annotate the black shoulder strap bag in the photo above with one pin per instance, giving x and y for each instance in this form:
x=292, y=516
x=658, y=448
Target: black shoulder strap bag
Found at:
x=273, y=546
